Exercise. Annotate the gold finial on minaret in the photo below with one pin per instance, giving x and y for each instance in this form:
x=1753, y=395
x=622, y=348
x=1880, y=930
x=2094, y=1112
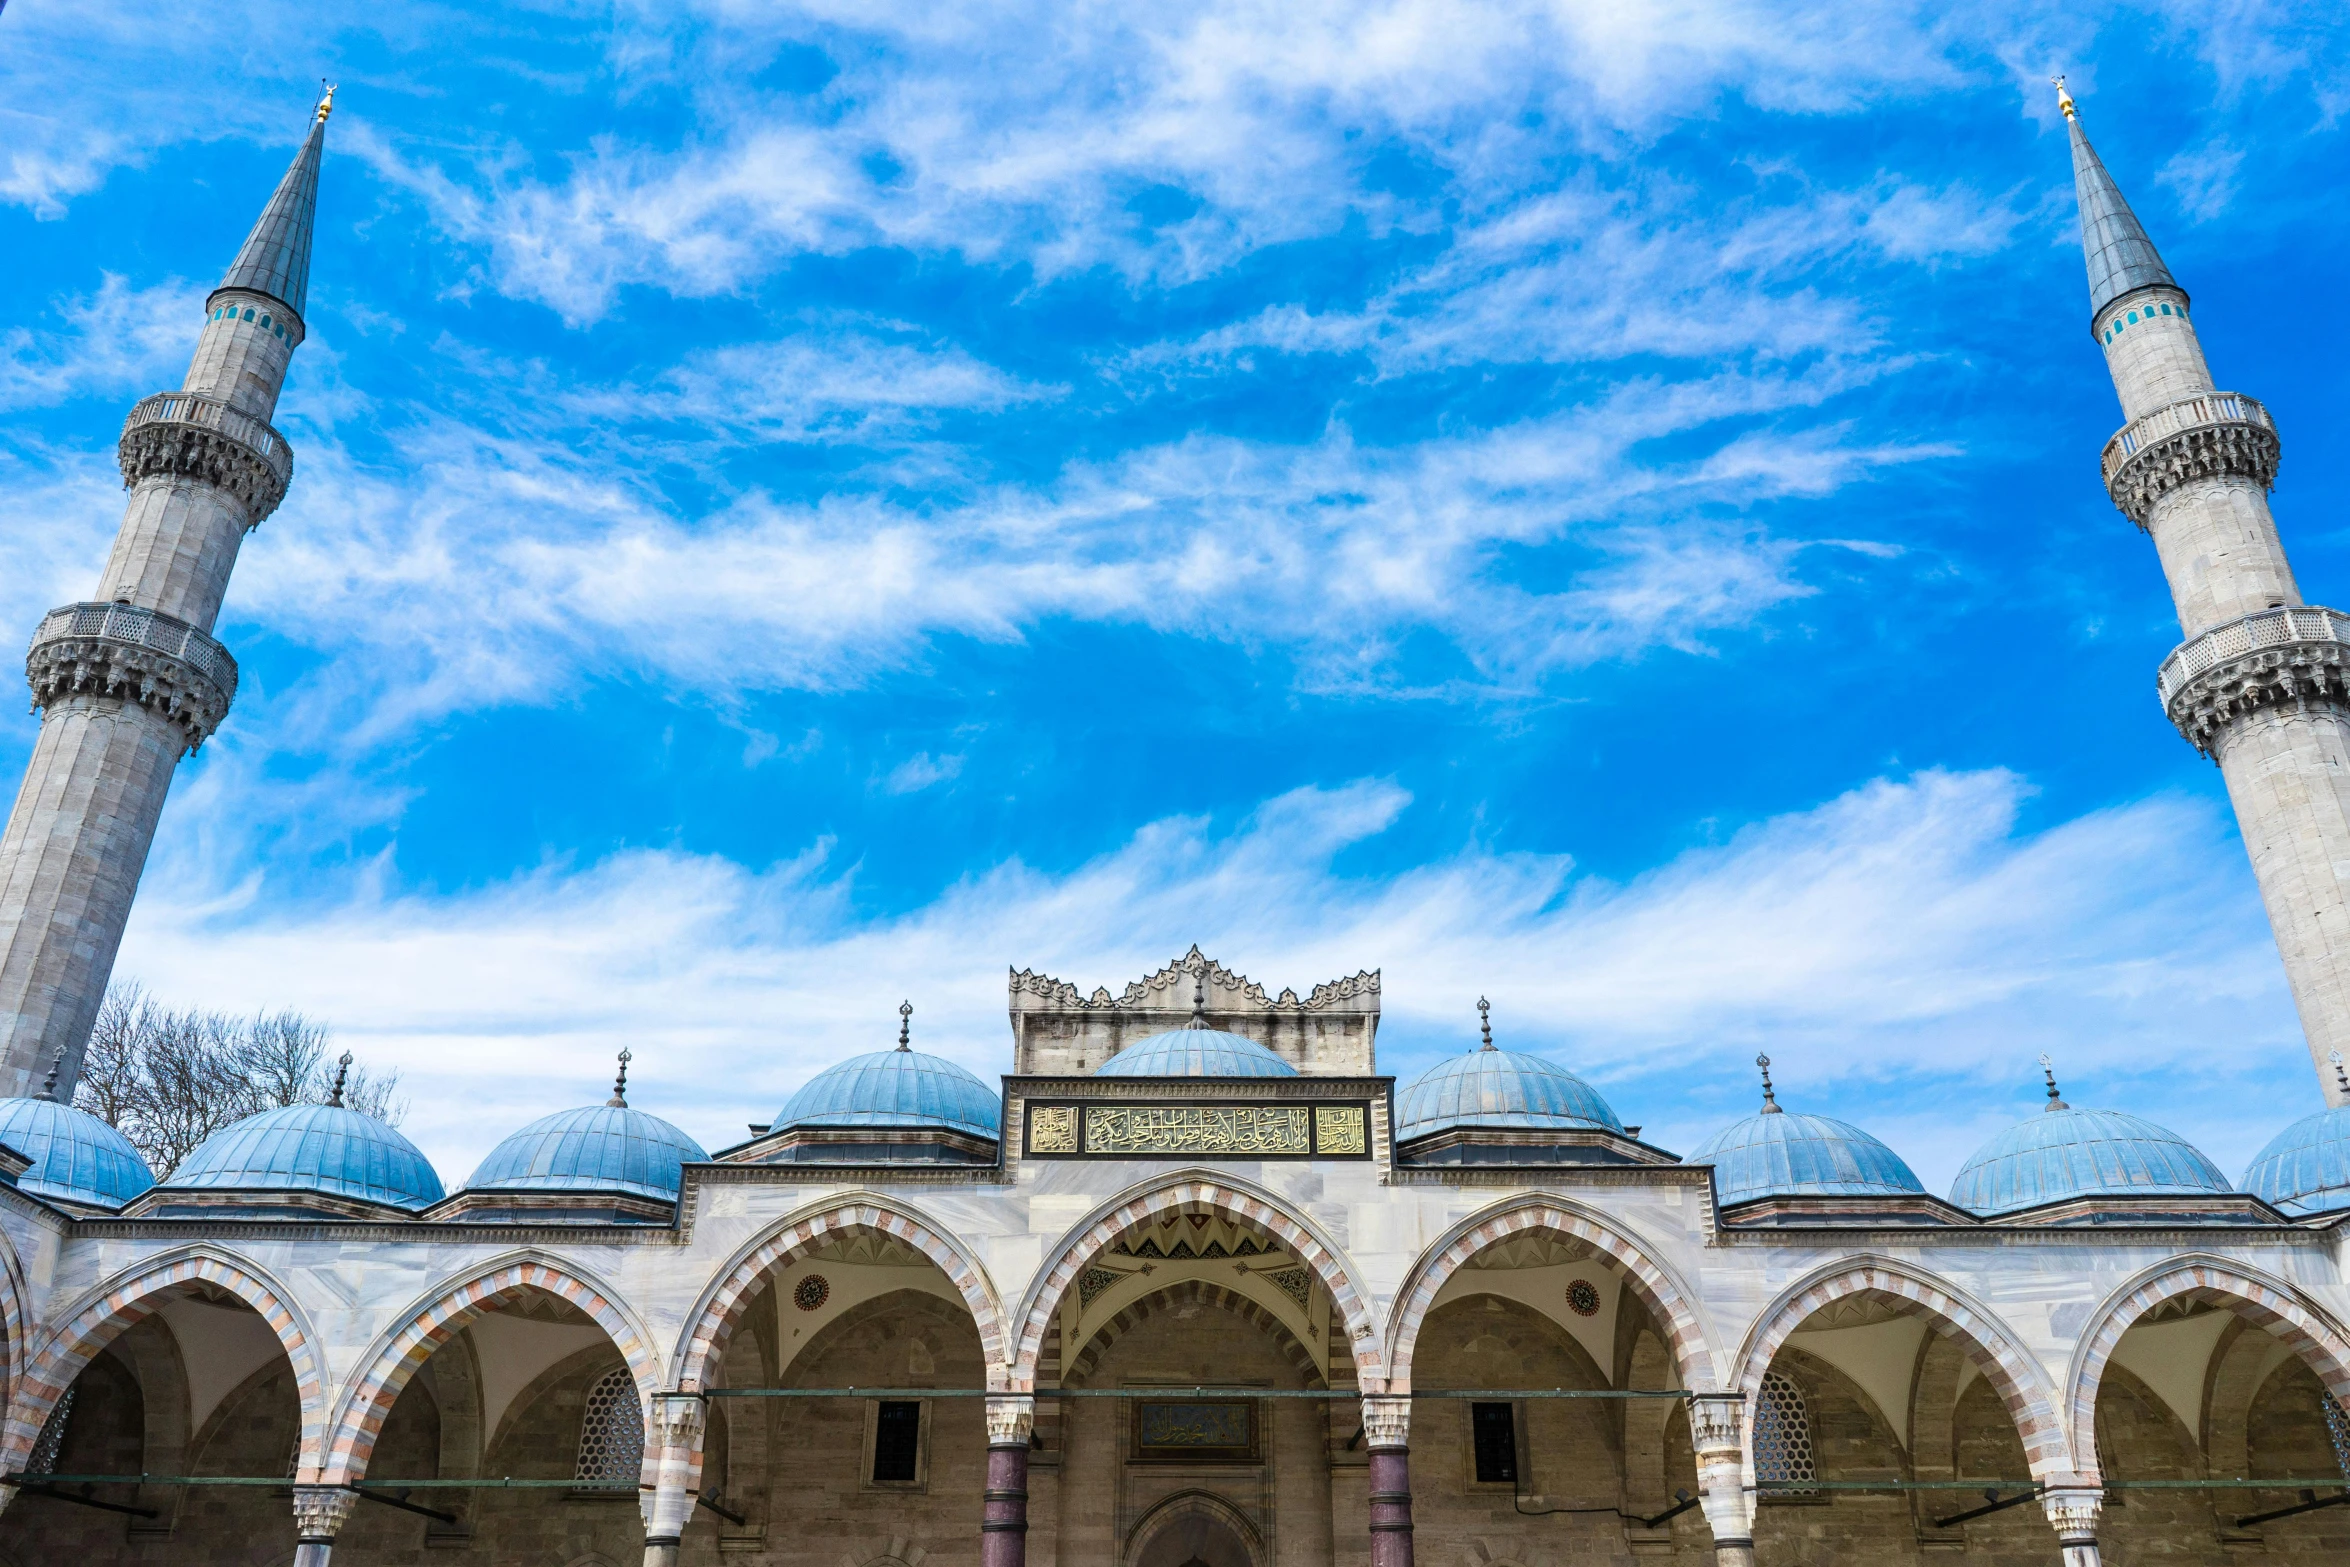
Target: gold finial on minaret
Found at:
x=326, y=104
x=2064, y=100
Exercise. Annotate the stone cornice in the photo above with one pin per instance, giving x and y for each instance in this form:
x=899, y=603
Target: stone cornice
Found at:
x=133, y=655
x=2292, y=657
x=188, y=435
x=2201, y=437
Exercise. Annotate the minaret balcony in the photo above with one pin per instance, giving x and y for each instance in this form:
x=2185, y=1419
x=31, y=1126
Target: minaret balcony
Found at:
x=135, y=655
x=2290, y=656
x=2199, y=437
x=190, y=435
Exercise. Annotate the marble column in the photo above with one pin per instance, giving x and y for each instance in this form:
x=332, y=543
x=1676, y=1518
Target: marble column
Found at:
x=1716, y=1424
x=674, y=1432
x=1003, y=1539
x=319, y=1513
x=1387, y=1424
x=2073, y=1513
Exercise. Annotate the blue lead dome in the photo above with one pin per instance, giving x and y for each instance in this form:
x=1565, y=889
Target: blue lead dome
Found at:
x=1500, y=1088
x=76, y=1157
x=2064, y=1152
x=901, y=1087
x=604, y=1148
x=1784, y=1153
x=2306, y=1167
x=328, y=1149
x=1195, y=1052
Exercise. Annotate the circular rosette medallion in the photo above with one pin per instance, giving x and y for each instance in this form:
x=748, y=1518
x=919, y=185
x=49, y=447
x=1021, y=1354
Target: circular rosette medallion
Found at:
x=815, y=1289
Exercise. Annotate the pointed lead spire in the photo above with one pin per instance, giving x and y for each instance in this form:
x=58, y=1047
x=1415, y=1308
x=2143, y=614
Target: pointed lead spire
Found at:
x=275, y=259
x=2121, y=258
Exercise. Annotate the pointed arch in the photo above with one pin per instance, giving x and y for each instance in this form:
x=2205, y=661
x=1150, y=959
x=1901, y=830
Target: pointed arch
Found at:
x=426, y=1325
x=724, y=1301
x=1667, y=1298
x=2260, y=1298
x=91, y=1323
x=1186, y=1505
x=1196, y=1292
x=1197, y=1191
x=2011, y=1369
x=13, y=1324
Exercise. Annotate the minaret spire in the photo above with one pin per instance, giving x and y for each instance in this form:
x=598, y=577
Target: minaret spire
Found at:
x=2121, y=258
x=131, y=680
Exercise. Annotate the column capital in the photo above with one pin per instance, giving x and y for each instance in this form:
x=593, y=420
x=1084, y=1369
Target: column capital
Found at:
x=1387, y=1419
x=1010, y=1419
x=1716, y=1422
x=320, y=1512
x=2073, y=1512
x=676, y=1419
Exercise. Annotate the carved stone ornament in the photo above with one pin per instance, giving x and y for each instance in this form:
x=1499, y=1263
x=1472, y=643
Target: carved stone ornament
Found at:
x=1387, y=1419
x=2213, y=435
x=2073, y=1513
x=2279, y=659
x=320, y=1510
x=676, y=1420
x=1714, y=1421
x=134, y=655
x=1170, y=989
x=1009, y=1420
x=183, y=435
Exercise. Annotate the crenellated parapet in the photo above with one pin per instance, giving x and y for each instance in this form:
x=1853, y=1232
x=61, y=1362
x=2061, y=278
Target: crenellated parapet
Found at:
x=1057, y=1028
x=2293, y=657
x=134, y=655
x=2209, y=435
x=189, y=435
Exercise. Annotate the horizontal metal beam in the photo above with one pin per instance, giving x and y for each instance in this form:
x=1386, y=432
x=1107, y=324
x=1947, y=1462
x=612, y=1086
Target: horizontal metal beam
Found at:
x=1347, y=1394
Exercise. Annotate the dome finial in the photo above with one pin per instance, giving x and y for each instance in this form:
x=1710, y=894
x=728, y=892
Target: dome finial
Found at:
x=1199, y=998
x=2064, y=100
x=2340, y=1076
x=326, y=101
x=619, y=1099
x=1770, y=1099
x=342, y=1071
x=906, y=1026
x=49, y=1083
x=2055, y=1100
x=1485, y=1020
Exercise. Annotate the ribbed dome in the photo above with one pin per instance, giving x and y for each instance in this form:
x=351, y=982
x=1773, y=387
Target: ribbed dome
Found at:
x=75, y=1155
x=311, y=1148
x=1781, y=1153
x=1196, y=1052
x=894, y=1088
x=2306, y=1167
x=1500, y=1088
x=2064, y=1152
x=605, y=1148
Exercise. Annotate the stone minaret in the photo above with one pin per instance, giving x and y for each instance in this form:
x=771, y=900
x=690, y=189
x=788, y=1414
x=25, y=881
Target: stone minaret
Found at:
x=130, y=682
x=2259, y=684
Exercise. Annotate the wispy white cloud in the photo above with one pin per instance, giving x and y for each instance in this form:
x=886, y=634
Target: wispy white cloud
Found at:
x=1911, y=926
x=119, y=339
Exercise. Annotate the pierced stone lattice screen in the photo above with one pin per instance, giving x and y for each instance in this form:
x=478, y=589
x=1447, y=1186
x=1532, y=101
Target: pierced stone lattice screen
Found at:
x=2337, y=1427
x=45, y=1446
x=1782, y=1435
x=612, y=1431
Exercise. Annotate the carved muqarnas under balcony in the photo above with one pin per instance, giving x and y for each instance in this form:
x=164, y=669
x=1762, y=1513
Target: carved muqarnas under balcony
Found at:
x=133, y=655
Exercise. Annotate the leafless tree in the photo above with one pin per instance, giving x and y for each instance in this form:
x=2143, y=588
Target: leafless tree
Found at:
x=168, y=1079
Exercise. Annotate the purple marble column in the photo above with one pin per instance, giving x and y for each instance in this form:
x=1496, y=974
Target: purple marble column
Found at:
x=1387, y=1421
x=1003, y=1526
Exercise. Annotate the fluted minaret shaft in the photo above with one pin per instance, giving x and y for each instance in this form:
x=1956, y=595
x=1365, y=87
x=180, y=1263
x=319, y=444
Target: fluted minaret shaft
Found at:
x=2259, y=684
x=132, y=680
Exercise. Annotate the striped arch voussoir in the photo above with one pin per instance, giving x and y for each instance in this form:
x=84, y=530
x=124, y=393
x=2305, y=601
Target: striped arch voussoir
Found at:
x=706, y=1339
x=1693, y=1358
x=1198, y=1196
x=50, y=1371
x=1196, y=1292
x=368, y=1403
x=2265, y=1303
x=2017, y=1379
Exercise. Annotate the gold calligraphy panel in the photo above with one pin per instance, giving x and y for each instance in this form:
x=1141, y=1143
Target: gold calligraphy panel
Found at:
x=1197, y=1129
x=1053, y=1129
x=1340, y=1129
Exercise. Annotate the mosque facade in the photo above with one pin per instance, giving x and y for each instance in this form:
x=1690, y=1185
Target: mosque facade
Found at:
x=1194, y=1284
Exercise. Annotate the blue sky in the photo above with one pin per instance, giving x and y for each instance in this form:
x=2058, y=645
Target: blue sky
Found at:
x=799, y=507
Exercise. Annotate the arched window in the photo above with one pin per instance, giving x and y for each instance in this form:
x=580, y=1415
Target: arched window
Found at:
x=43, y=1460
x=2337, y=1427
x=612, y=1430
x=1782, y=1435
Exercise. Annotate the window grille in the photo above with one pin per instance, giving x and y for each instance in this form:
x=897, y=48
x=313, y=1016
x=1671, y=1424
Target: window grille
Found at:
x=1782, y=1434
x=43, y=1460
x=1493, y=1430
x=2337, y=1427
x=897, y=1442
x=612, y=1430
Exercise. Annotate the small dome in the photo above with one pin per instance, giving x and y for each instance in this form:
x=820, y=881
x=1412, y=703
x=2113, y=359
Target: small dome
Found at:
x=2065, y=1152
x=76, y=1156
x=328, y=1149
x=1500, y=1088
x=605, y=1148
x=1782, y=1153
x=1195, y=1052
x=2306, y=1167
x=900, y=1087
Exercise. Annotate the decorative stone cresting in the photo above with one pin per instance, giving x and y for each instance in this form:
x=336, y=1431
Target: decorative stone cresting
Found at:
x=2259, y=1302
x=2030, y=1404
x=1684, y=1339
x=368, y=1403
x=188, y=435
x=2210, y=435
x=134, y=655
x=2294, y=657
